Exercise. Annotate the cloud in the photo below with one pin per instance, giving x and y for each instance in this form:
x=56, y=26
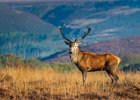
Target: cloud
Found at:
x=106, y=32
x=111, y=30
x=121, y=10
x=83, y=22
x=124, y=11
x=102, y=35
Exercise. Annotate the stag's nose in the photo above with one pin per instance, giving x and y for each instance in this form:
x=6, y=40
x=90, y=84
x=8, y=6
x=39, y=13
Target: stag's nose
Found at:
x=70, y=51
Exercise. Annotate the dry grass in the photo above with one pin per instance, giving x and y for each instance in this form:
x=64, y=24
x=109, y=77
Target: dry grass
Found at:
x=26, y=83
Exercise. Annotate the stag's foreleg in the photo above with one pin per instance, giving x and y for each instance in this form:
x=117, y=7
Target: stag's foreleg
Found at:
x=84, y=75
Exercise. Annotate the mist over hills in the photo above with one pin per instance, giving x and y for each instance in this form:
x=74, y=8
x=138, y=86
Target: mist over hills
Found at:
x=30, y=29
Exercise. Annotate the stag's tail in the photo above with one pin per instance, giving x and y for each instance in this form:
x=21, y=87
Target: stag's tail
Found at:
x=119, y=71
x=118, y=63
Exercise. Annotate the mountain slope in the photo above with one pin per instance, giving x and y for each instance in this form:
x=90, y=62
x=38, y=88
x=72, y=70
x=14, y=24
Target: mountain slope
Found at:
x=25, y=34
x=13, y=20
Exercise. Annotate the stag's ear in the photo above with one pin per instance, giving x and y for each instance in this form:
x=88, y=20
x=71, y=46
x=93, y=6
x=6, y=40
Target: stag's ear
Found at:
x=67, y=42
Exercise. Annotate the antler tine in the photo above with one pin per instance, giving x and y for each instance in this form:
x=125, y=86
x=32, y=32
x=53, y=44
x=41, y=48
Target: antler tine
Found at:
x=62, y=33
x=86, y=32
x=76, y=38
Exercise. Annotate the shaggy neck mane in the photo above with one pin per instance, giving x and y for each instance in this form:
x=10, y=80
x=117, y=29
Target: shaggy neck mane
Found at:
x=75, y=55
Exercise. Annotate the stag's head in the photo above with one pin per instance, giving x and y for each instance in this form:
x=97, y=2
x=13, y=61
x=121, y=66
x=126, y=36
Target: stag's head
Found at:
x=73, y=44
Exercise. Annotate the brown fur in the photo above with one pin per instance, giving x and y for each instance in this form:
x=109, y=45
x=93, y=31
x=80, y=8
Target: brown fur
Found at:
x=88, y=62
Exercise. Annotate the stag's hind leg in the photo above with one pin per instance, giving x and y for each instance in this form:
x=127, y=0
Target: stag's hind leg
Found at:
x=112, y=73
x=115, y=77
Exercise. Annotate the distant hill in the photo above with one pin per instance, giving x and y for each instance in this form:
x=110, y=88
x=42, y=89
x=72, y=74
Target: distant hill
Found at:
x=12, y=20
x=127, y=48
x=30, y=29
x=25, y=34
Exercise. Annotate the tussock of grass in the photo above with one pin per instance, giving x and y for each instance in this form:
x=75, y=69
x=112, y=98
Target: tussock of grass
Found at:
x=27, y=83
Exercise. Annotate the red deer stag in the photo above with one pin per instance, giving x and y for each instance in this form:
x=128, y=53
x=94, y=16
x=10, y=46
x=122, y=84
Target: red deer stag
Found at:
x=88, y=61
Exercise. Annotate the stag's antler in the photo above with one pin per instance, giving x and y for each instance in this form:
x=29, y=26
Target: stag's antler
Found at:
x=86, y=32
x=62, y=33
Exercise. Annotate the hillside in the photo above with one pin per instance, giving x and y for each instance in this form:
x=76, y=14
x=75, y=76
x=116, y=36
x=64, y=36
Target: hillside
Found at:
x=25, y=34
x=29, y=29
x=13, y=20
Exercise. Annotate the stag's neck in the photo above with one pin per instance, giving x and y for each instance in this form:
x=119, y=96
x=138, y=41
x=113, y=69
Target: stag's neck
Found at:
x=75, y=55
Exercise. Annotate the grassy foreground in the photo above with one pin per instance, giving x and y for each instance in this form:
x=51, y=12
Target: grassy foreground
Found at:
x=29, y=83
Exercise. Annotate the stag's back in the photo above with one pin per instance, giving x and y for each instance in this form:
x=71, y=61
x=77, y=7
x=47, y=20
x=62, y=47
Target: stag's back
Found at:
x=92, y=61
